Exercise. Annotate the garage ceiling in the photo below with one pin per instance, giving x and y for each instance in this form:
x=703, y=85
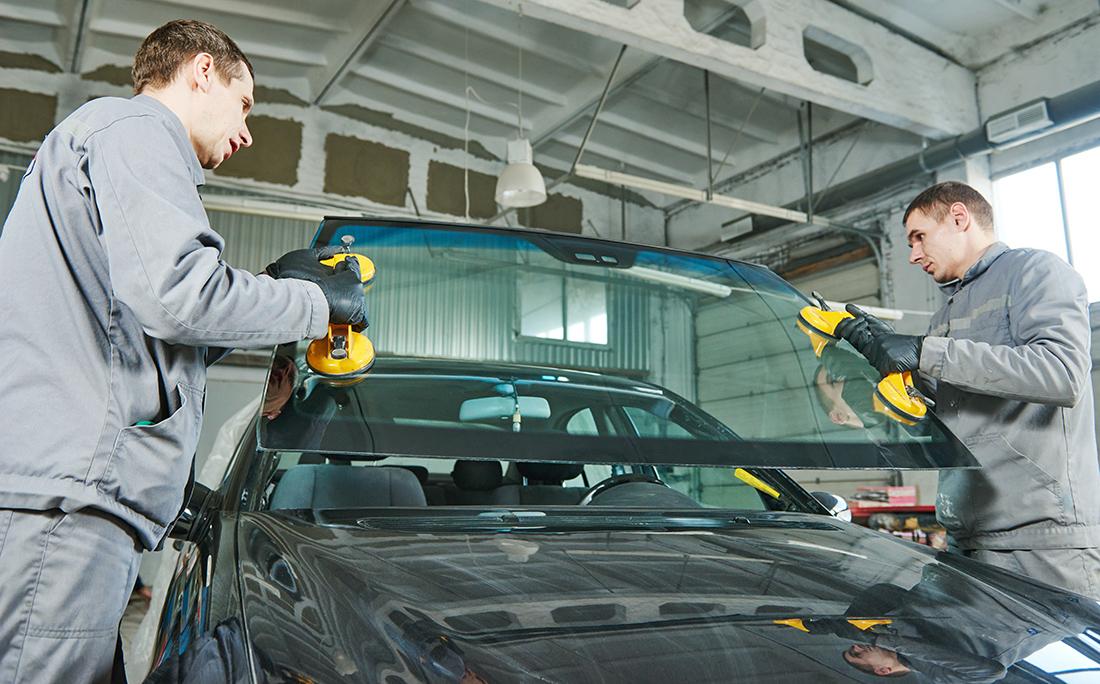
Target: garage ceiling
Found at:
x=414, y=58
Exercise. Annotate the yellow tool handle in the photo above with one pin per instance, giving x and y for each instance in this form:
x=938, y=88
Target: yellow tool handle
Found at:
x=366, y=266
x=820, y=325
x=896, y=395
x=756, y=483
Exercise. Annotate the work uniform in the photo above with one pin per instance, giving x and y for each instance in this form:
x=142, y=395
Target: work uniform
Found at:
x=1008, y=354
x=952, y=631
x=115, y=298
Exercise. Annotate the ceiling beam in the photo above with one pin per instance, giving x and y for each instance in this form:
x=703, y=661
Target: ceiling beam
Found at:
x=618, y=155
x=342, y=56
x=720, y=116
x=660, y=136
x=456, y=14
x=269, y=11
x=461, y=65
x=910, y=86
x=266, y=50
x=1028, y=9
x=449, y=97
x=30, y=15
x=633, y=69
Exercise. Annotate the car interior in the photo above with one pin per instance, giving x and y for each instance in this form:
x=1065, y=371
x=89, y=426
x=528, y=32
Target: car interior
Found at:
x=316, y=481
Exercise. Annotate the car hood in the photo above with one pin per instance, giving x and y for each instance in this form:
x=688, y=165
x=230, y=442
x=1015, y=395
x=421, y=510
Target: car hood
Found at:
x=633, y=596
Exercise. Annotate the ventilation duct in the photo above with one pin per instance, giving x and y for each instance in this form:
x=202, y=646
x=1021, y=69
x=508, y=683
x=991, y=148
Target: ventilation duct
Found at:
x=1026, y=123
x=1018, y=123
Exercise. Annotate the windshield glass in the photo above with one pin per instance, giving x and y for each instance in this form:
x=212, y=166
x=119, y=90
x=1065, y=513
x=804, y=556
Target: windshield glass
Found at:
x=496, y=344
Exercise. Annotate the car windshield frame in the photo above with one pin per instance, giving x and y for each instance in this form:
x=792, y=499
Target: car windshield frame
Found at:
x=759, y=291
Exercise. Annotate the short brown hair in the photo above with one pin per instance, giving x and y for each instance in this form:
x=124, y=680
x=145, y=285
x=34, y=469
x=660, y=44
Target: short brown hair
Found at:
x=166, y=49
x=936, y=200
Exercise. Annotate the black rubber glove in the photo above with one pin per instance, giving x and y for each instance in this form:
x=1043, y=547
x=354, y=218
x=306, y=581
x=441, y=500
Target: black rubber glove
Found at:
x=343, y=289
x=862, y=328
x=887, y=351
x=892, y=353
x=303, y=264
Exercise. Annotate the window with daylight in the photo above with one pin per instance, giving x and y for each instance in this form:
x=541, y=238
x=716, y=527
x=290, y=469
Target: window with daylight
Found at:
x=553, y=307
x=1054, y=207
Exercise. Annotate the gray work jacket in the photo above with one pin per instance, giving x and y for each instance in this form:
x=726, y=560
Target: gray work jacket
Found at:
x=113, y=289
x=1009, y=355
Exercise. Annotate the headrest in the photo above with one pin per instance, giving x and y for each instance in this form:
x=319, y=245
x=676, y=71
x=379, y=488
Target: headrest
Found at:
x=421, y=473
x=343, y=486
x=478, y=476
x=549, y=473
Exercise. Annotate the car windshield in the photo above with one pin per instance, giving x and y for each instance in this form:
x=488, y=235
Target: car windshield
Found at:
x=497, y=344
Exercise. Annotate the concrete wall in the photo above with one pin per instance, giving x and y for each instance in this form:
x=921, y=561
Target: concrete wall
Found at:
x=339, y=156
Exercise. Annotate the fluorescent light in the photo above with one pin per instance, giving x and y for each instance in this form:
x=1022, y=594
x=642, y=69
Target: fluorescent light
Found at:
x=877, y=311
x=681, y=281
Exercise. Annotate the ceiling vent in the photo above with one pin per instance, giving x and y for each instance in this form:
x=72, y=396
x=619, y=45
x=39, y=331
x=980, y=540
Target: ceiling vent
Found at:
x=1018, y=123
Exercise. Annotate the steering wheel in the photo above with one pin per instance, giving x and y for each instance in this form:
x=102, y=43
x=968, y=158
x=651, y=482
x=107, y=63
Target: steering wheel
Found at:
x=614, y=481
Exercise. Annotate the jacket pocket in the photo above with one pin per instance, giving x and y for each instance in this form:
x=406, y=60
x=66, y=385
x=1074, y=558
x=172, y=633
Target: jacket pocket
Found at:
x=150, y=464
x=1013, y=489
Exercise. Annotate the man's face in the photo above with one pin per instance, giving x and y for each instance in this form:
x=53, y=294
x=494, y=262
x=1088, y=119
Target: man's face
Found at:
x=220, y=129
x=939, y=247
x=879, y=661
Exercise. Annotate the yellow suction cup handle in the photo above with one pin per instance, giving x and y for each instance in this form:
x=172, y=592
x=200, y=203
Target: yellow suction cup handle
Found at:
x=820, y=325
x=343, y=352
x=895, y=396
x=864, y=624
x=366, y=266
x=793, y=622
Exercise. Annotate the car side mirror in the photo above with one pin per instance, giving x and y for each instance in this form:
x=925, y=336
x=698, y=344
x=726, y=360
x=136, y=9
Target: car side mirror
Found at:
x=837, y=505
x=189, y=518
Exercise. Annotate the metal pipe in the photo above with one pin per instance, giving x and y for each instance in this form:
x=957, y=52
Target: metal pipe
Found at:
x=1062, y=206
x=1066, y=110
x=78, y=43
x=368, y=39
x=810, y=161
x=599, y=108
x=710, y=165
x=805, y=144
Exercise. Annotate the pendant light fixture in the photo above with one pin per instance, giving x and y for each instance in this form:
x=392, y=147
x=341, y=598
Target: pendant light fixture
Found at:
x=520, y=184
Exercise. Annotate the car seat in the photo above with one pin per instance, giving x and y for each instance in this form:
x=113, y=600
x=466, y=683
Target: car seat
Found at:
x=344, y=486
x=479, y=483
x=544, y=484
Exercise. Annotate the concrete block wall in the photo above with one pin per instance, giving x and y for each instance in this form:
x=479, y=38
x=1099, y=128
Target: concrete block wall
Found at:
x=341, y=155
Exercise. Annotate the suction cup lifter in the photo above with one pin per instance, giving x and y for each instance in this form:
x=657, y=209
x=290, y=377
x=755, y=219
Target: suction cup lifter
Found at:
x=895, y=396
x=344, y=353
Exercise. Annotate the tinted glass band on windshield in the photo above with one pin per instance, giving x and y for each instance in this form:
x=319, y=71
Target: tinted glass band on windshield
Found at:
x=513, y=345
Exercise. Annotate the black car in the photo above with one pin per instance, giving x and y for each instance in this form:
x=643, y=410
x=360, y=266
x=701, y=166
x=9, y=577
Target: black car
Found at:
x=567, y=464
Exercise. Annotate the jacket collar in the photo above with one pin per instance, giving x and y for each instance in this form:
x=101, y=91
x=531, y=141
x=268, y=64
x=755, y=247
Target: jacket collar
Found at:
x=179, y=135
x=980, y=266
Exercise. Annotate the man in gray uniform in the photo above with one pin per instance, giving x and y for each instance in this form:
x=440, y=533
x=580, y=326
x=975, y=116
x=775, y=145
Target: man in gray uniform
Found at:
x=1007, y=359
x=115, y=298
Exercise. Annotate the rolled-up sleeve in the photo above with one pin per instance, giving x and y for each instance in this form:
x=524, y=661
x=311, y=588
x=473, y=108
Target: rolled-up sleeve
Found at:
x=1048, y=314
x=165, y=260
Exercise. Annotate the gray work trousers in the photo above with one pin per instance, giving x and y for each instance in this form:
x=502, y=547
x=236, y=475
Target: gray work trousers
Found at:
x=65, y=579
x=1077, y=570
